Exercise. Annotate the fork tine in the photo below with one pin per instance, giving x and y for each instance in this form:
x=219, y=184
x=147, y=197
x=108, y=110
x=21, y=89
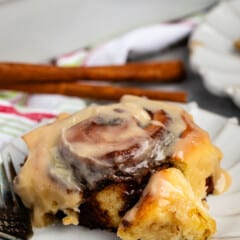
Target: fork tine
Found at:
x=2, y=204
x=13, y=174
x=12, y=170
x=5, y=189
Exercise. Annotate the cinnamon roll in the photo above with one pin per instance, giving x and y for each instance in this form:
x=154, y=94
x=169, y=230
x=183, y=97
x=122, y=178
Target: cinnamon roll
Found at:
x=95, y=166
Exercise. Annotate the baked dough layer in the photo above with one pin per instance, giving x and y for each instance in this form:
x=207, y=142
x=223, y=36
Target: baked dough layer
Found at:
x=167, y=209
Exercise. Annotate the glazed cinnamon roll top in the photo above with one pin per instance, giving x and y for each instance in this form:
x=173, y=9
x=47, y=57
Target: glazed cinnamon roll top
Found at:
x=115, y=145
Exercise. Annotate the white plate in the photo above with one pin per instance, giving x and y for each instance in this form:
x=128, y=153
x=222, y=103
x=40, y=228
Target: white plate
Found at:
x=225, y=208
x=212, y=50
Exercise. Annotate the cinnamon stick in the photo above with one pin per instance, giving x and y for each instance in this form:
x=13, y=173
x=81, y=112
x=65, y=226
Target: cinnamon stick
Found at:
x=237, y=45
x=95, y=91
x=143, y=72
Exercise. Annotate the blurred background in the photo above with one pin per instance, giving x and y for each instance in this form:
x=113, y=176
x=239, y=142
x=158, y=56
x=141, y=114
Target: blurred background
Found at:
x=38, y=31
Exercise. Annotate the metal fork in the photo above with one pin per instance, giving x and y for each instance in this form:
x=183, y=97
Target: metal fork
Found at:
x=15, y=220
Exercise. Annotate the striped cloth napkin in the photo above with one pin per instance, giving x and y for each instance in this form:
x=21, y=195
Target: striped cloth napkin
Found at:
x=20, y=112
x=135, y=43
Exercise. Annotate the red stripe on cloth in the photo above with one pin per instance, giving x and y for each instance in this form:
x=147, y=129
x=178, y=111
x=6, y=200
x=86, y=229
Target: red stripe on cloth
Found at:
x=35, y=116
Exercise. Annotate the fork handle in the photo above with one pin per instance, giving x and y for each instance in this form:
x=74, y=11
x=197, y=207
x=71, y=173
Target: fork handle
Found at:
x=15, y=224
